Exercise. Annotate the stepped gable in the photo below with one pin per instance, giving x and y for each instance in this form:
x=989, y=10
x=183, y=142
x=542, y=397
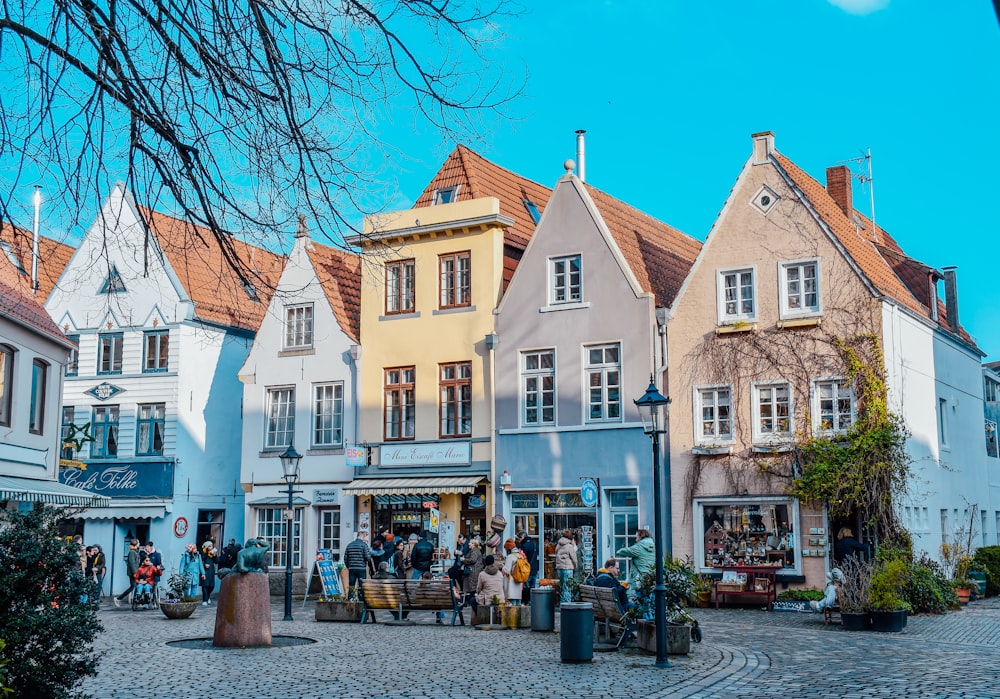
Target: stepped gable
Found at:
x=197, y=258
x=660, y=255
x=339, y=274
x=53, y=257
x=21, y=306
x=477, y=177
x=878, y=256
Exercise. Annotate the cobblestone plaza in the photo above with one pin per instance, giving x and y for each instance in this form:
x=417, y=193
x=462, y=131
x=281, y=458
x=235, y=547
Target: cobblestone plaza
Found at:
x=746, y=653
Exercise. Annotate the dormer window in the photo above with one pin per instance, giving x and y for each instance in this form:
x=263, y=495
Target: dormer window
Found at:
x=445, y=195
x=113, y=284
x=532, y=209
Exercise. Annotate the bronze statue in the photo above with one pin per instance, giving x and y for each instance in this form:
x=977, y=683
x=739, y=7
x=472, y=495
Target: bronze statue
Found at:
x=252, y=557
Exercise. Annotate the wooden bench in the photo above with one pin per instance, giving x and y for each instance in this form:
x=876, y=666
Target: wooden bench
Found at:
x=761, y=582
x=607, y=610
x=408, y=595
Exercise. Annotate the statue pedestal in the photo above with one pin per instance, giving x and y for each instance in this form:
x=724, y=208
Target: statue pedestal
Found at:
x=243, y=614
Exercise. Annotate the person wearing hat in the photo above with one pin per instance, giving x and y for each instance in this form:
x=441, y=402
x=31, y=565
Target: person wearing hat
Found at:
x=831, y=593
x=512, y=589
x=190, y=568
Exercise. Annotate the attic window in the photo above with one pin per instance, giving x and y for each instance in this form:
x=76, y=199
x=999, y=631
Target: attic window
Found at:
x=12, y=257
x=532, y=208
x=765, y=199
x=113, y=284
x=445, y=195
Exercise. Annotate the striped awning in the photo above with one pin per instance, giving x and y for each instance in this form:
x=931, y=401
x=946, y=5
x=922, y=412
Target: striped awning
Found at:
x=125, y=512
x=414, y=486
x=49, y=492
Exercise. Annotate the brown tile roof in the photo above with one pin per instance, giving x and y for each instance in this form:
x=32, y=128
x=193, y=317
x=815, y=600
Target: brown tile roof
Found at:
x=339, y=274
x=477, y=177
x=20, y=305
x=53, y=256
x=200, y=263
x=660, y=255
x=887, y=268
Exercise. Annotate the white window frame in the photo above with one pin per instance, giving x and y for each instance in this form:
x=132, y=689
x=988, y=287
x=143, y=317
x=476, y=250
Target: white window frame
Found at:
x=786, y=295
x=562, y=288
x=836, y=384
x=532, y=384
x=299, y=326
x=279, y=417
x=739, y=316
x=942, y=421
x=328, y=414
x=760, y=436
x=609, y=375
x=718, y=438
x=446, y=195
x=270, y=524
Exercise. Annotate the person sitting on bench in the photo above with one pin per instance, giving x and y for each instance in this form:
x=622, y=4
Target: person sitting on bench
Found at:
x=833, y=580
x=608, y=577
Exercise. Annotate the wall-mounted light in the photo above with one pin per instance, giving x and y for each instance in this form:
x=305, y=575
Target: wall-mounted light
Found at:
x=492, y=340
x=355, y=352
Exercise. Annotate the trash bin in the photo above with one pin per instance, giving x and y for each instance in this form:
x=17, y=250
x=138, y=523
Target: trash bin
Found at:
x=543, y=609
x=576, y=632
x=980, y=578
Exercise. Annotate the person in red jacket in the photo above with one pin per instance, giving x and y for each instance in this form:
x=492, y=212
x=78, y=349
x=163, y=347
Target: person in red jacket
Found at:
x=144, y=579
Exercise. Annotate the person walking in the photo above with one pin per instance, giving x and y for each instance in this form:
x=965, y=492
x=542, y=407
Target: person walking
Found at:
x=100, y=569
x=357, y=560
x=512, y=588
x=643, y=556
x=132, y=563
x=565, y=564
x=209, y=554
x=191, y=568
x=421, y=557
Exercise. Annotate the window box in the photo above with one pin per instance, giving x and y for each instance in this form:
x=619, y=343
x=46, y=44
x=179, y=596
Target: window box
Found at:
x=740, y=327
x=712, y=451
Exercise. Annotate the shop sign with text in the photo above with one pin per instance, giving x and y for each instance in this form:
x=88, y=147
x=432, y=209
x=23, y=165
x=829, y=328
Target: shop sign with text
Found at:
x=445, y=453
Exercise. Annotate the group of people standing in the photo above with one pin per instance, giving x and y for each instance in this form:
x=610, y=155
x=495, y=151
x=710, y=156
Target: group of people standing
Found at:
x=144, y=567
x=200, y=568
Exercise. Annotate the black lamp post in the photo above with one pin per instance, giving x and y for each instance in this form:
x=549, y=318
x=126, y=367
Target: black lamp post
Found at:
x=290, y=469
x=655, y=411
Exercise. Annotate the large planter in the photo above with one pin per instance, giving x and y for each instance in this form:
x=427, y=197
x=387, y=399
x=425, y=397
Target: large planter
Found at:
x=678, y=637
x=892, y=622
x=178, y=610
x=338, y=610
x=855, y=621
x=516, y=616
x=964, y=594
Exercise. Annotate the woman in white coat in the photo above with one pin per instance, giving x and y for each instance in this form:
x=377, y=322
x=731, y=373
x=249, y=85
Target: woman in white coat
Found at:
x=511, y=588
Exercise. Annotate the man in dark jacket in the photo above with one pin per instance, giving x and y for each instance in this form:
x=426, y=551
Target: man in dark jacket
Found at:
x=132, y=563
x=421, y=556
x=608, y=577
x=357, y=559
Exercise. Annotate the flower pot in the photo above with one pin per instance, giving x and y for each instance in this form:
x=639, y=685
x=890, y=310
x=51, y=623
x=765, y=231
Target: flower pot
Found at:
x=678, y=637
x=510, y=616
x=703, y=598
x=892, y=622
x=964, y=594
x=178, y=610
x=855, y=621
x=338, y=610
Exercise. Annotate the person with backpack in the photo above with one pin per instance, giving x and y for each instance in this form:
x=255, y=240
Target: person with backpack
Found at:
x=530, y=551
x=513, y=588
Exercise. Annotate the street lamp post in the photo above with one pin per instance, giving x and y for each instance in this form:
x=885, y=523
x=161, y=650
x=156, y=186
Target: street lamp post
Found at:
x=654, y=408
x=290, y=469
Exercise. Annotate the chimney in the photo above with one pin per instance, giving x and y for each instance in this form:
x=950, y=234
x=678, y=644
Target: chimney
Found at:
x=581, y=155
x=763, y=146
x=838, y=184
x=951, y=296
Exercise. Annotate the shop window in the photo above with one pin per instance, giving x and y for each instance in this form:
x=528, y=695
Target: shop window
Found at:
x=747, y=531
x=105, y=442
x=456, y=399
x=210, y=526
x=271, y=528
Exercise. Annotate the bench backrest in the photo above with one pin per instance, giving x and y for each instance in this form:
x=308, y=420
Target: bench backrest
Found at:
x=603, y=599
x=409, y=594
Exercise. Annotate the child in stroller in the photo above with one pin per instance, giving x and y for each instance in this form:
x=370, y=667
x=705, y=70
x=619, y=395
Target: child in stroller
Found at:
x=144, y=596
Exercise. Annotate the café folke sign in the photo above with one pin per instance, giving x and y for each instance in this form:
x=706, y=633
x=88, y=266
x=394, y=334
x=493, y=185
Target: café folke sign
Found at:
x=128, y=480
x=446, y=453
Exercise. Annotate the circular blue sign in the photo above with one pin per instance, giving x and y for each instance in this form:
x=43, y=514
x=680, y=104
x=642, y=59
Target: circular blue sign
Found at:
x=588, y=492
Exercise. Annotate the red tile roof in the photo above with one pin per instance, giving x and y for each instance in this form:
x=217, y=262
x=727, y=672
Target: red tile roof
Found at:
x=23, y=307
x=53, y=256
x=202, y=265
x=890, y=271
x=339, y=274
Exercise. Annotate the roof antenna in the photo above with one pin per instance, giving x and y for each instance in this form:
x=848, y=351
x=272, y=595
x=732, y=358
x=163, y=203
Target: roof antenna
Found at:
x=869, y=181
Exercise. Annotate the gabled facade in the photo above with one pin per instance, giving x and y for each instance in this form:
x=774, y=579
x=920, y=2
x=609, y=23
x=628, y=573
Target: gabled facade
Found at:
x=431, y=279
x=163, y=326
x=33, y=354
x=300, y=389
x=789, y=269
x=578, y=339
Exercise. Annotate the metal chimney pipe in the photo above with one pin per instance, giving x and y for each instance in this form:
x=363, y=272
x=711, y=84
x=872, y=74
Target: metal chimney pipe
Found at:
x=34, y=241
x=951, y=296
x=581, y=154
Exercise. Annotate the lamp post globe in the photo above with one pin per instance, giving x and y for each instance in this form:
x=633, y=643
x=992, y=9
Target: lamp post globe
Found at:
x=290, y=460
x=654, y=409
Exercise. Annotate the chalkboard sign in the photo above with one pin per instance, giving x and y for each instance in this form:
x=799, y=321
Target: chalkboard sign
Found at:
x=330, y=577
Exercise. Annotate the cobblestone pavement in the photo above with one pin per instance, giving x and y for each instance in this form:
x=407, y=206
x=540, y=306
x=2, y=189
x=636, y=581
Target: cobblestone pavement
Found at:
x=747, y=653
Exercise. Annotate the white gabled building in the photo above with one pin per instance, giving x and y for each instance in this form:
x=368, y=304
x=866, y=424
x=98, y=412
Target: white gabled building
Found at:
x=300, y=389
x=163, y=325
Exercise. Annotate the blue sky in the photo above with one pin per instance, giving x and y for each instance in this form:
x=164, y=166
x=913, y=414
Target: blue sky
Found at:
x=669, y=93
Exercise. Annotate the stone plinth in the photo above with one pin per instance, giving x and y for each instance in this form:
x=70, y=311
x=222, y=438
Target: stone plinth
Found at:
x=243, y=614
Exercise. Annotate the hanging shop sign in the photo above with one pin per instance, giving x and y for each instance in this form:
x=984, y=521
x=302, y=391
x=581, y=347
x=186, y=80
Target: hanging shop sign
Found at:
x=589, y=492
x=447, y=453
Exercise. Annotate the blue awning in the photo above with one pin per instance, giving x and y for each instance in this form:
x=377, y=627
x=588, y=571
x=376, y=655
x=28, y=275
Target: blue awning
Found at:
x=49, y=492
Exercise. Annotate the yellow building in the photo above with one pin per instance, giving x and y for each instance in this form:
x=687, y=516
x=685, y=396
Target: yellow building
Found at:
x=431, y=278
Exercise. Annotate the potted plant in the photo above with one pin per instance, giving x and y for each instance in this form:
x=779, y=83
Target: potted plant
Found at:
x=336, y=608
x=701, y=594
x=956, y=561
x=855, y=588
x=680, y=580
x=886, y=603
x=177, y=606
